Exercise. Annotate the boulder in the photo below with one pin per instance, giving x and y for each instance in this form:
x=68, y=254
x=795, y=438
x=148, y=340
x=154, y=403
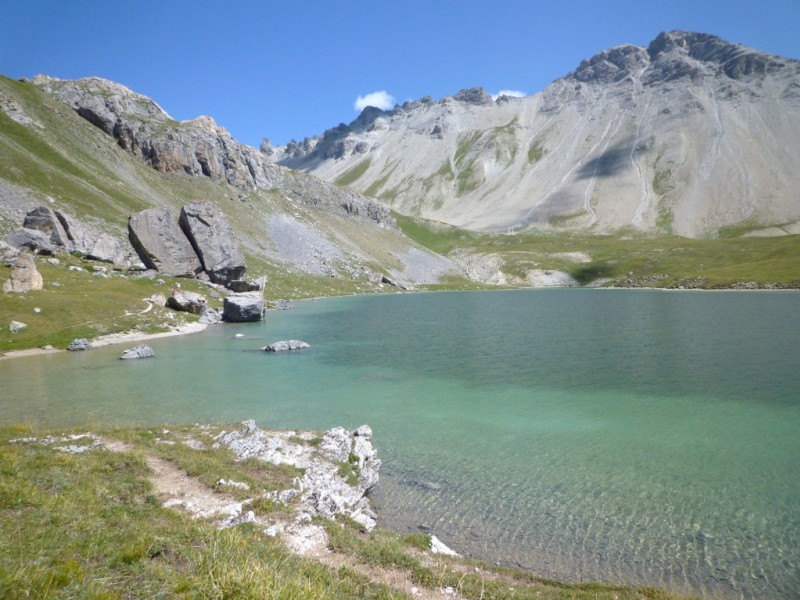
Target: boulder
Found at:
x=80, y=240
x=190, y=302
x=242, y=285
x=212, y=239
x=107, y=249
x=141, y=351
x=24, y=277
x=79, y=344
x=285, y=345
x=244, y=307
x=44, y=219
x=161, y=245
x=32, y=240
x=17, y=326
x=210, y=316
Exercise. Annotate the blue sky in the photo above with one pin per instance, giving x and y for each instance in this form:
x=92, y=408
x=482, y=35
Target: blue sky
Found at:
x=294, y=68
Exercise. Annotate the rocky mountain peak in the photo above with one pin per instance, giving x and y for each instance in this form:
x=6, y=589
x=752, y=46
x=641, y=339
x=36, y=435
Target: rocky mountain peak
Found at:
x=476, y=95
x=734, y=60
x=612, y=65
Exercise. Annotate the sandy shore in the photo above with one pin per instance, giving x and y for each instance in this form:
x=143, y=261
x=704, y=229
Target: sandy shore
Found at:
x=113, y=338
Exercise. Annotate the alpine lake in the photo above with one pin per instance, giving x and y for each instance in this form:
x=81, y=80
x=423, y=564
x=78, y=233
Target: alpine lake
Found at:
x=632, y=436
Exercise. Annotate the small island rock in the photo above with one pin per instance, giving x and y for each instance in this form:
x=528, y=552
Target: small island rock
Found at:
x=79, y=344
x=141, y=351
x=285, y=345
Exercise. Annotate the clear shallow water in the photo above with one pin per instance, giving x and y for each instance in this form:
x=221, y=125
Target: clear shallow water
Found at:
x=633, y=436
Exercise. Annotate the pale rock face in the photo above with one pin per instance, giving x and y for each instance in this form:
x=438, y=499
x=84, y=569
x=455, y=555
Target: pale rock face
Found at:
x=686, y=136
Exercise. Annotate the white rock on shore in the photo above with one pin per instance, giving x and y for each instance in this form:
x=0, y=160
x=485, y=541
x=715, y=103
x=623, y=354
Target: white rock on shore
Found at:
x=324, y=490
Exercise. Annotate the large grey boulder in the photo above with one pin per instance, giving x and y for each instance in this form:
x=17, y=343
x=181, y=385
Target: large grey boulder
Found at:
x=212, y=238
x=24, y=277
x=141, y=351
x=45, y=219
x=80, y=240
x=238, y=308
x=185, y=301
x=62, y=232
x=161, y=245
x=32, y=240
x=107, y=249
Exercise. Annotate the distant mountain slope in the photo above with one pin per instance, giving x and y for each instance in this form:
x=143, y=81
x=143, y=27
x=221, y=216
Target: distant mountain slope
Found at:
x=688, y=136
x=100, y=152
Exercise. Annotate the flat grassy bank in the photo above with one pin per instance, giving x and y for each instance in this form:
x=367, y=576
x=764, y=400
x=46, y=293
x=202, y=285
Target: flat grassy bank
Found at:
x=91, y=525
x=632, y=260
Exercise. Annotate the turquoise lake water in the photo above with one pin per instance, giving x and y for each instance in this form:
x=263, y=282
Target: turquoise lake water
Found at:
x=634, y=436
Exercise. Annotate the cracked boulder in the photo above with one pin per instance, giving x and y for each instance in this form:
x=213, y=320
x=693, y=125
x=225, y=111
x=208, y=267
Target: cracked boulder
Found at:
x=161, y=245
x=213, y=241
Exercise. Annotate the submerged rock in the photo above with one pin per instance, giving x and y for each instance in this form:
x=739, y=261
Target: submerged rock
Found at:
x=286, y=345
x=141, y=351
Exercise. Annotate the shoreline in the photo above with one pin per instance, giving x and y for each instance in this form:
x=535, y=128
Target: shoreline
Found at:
x=112, y=339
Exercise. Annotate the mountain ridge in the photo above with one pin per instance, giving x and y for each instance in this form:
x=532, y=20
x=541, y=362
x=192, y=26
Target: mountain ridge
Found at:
x=690, y=136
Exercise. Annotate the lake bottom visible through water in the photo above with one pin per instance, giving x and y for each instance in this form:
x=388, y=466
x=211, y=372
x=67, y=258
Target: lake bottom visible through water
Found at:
x=628, y=436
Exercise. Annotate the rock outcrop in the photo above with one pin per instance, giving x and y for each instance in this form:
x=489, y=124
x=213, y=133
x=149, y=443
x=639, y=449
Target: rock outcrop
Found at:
x=161, y=245
x=197, y=147
x=25, y=277
x=141, y=351
x=245, y=307
x=339, y=474
x=213, y=241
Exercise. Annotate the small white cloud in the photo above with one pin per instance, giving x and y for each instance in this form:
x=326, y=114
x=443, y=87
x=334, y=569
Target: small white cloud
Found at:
x=382, y=99
x=511, y=93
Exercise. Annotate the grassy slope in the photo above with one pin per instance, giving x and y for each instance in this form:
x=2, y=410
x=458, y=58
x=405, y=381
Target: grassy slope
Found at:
x=658, y=261
x=91, y=526
x=73, y=166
